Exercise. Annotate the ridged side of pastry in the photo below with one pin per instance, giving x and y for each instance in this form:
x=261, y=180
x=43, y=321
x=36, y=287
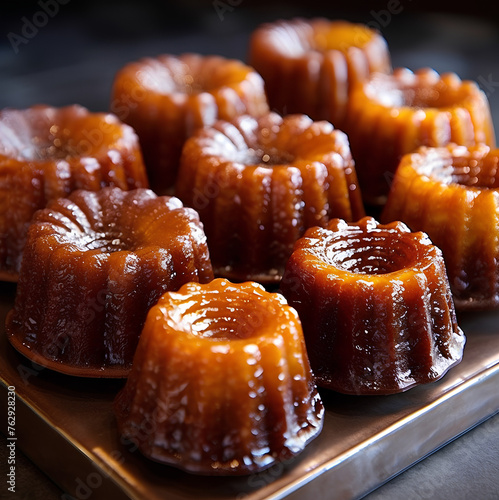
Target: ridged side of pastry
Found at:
x=258, y=184
x=375, y=305
x=451, y=193
x=94, y=264
x=392, y=115
x=220, y=382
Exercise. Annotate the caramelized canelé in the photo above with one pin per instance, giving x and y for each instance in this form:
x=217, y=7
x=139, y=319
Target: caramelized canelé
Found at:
x=452, y=193
x=259, y=183
x=94, y=264
x=167, y=97
x=309, y=66
x=391, y=115
x=46, y=153
x=375, y=305
x=222, y=380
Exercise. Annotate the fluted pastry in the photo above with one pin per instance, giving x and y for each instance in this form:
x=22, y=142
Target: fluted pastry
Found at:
x=452, y=193
x=310, y=65
x=94, y=264
x=221, y=380
x=166, y=98
x=46, y=153
x=391, y=115
x=259, y=183
x=375, y=305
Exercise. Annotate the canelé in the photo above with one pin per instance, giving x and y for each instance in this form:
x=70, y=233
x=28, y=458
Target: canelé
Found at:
x=46, y=153
x=391, y=115
x=167, y=97
x=94, y=263
x=220, y=382
x=375, y=306
x=310, y=65
x=452, y=193
x=259, y=183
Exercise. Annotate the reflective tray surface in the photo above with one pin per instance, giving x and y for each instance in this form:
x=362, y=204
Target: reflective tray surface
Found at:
x=365, y=440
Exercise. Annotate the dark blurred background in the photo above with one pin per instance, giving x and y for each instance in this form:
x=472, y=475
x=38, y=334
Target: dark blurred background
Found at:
x=65, y=51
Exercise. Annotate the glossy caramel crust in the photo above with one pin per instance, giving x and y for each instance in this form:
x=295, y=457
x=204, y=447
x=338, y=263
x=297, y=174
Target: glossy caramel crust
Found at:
x=452, y=193
x=259, y=183
x=221, y=380
x=168, y=97
x=392, y=115
x=46, y=153
x=309, y=66
x=94, y=264
x=375, y=305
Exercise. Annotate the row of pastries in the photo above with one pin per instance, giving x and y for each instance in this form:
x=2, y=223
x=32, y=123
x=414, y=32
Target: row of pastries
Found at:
x=142, y=240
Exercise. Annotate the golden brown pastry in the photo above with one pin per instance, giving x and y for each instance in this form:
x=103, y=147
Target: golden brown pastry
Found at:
x=391, y=115
x=166, y=98
x=310, y=65
x=46, y=153
x=452, y=193
x=222, y=381
x=259, y=183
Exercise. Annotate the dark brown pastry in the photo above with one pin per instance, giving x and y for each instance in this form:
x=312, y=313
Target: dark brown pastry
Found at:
x=375, y=305
x=94, y=264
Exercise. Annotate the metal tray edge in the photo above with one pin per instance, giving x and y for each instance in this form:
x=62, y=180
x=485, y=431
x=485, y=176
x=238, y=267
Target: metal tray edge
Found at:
x=44, y=444
x=331, y=479
x=334, y=479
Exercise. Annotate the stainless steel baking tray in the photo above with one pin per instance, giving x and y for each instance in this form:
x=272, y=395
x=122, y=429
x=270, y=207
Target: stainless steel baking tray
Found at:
x=66, y=426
